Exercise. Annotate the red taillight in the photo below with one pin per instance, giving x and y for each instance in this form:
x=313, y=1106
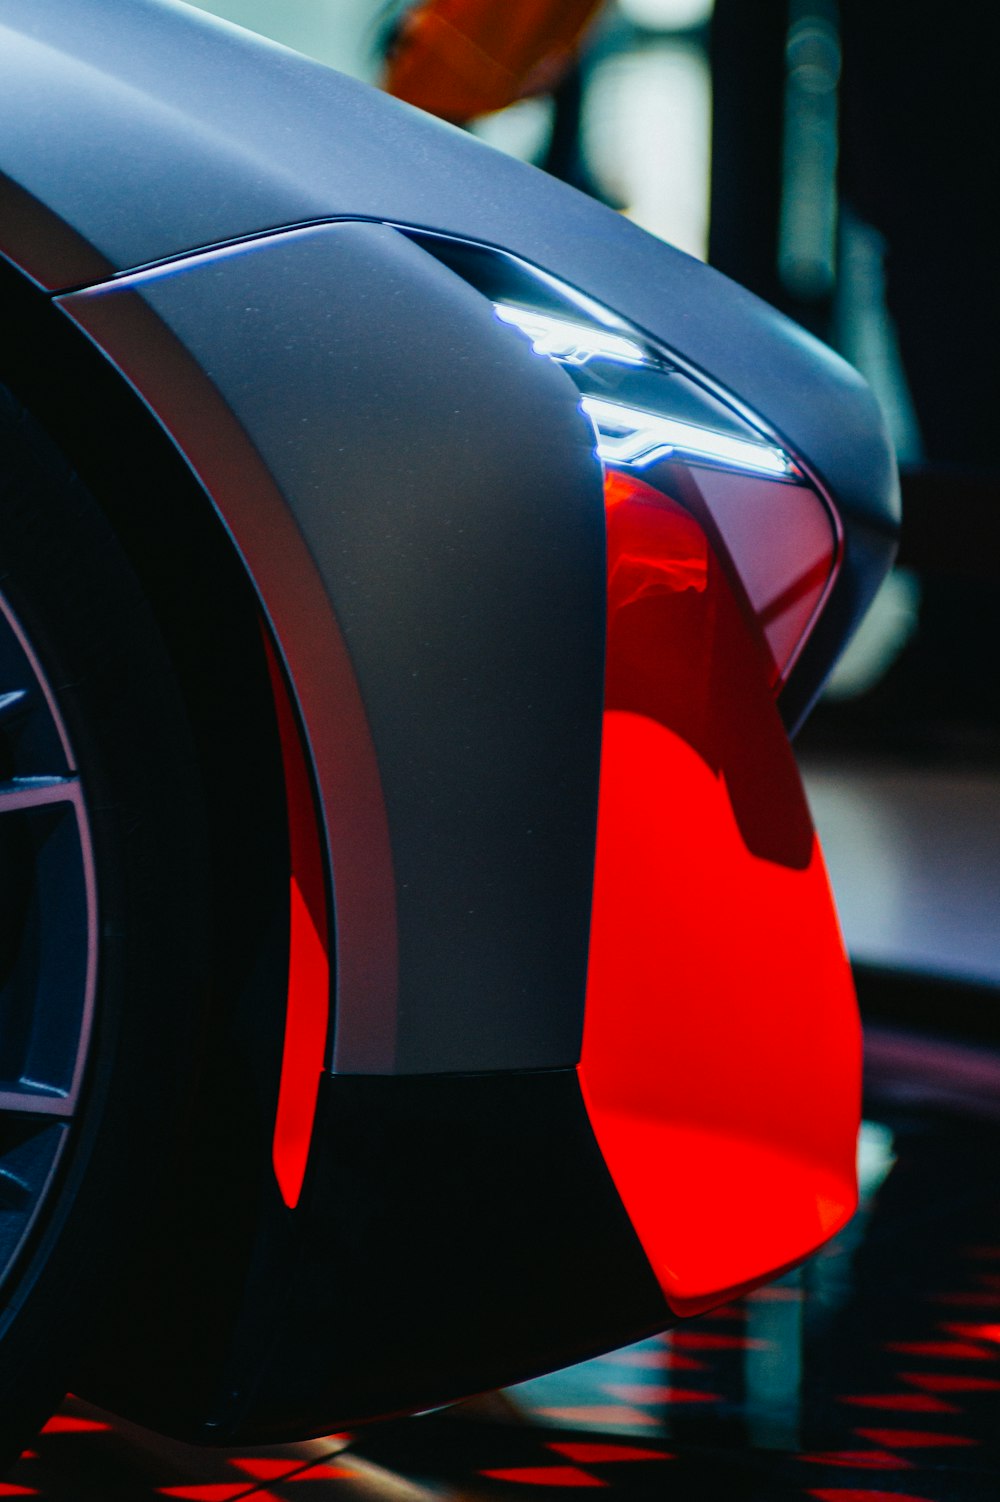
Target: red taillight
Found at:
x=721, y=1045
x=784, y=545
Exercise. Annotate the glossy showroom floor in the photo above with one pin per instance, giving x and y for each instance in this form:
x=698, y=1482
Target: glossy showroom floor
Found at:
x=873, y=1373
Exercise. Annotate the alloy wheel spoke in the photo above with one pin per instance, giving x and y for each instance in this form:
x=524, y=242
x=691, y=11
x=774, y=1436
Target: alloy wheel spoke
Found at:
x=35, y=792
x=48, y=938
x=24, y=1101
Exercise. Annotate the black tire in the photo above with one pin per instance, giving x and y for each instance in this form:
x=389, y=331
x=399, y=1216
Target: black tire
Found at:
x=69, y=589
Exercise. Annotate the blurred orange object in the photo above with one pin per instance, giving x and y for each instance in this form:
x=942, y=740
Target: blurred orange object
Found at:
x=461, y=58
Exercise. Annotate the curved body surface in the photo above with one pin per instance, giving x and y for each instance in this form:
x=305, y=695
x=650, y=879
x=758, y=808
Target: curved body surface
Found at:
x=534, y=535
x=442, y=629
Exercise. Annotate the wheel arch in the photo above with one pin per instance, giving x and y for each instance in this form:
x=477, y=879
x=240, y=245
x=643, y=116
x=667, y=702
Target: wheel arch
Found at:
x=207, y=615
x=109, y=436
x=191, y=575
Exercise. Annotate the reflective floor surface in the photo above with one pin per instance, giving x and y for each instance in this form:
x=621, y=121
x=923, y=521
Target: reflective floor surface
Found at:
x=873, y=1373
x=914, y=857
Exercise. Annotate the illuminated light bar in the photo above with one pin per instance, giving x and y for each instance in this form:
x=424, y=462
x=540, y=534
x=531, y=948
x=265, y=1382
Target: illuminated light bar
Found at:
x=570, y=342
x=626, y=435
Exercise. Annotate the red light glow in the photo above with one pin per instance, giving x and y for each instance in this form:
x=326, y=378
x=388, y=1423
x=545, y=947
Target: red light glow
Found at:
x=721, y=1051
x=914, y=1439
x=589, y=1453
x=308, y=1003
x=73, y=1423
x=545, y=1475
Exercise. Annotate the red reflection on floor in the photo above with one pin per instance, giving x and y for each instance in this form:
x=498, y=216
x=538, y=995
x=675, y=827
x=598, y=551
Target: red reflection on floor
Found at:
x=281, y=1471
x=265, y=1467
x=604, y=1454
x=851, y=1494
x=975, y=1332
x=859, y=1460
x=705, y=1340
x=947, y=1382
x=903, y=1402
x=913, y=1439
x=555, y=1475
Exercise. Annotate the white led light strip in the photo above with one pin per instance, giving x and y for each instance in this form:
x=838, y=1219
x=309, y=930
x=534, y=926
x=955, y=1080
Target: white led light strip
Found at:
x=570, y=342
x=626, y=435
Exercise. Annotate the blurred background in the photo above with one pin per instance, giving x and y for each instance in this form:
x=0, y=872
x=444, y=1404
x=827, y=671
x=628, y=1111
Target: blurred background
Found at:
x=839, y=158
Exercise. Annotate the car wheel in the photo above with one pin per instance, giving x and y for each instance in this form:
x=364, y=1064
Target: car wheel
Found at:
x=103, y=881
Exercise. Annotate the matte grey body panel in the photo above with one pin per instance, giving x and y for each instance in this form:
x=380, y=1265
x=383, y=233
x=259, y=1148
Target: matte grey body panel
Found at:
x=444, y=483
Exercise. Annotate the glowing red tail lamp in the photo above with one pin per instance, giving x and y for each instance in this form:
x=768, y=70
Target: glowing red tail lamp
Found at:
x=721, y=1051
x=721, y=1046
